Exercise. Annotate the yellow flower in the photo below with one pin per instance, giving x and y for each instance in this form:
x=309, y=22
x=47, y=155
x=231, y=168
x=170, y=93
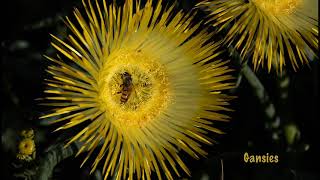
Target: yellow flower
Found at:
x=143, y=82
x=26, y=147
x=275, y=30
x=27, y=133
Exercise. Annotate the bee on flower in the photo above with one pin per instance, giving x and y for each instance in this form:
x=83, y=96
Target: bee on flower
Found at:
x=143, y=83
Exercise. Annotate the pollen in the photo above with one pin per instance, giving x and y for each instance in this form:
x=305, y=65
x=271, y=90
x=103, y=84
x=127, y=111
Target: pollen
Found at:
x=278, y=7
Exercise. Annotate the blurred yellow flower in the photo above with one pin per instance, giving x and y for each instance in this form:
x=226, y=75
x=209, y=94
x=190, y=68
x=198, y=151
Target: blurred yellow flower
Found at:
x=144, y=83
x=27, y=133
x=27, y=149
x=273, y=30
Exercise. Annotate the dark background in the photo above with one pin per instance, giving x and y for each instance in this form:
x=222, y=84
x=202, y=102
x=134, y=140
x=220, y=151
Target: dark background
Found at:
x=25, y=39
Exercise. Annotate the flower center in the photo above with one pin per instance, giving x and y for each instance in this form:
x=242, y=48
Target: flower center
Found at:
x=133, y=88
x=277, y=7
x=130, y=88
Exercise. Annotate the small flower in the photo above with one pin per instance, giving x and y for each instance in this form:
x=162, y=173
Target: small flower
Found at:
x=27, y=133
x=27, y=149
x=142, y=83
x=275, y=30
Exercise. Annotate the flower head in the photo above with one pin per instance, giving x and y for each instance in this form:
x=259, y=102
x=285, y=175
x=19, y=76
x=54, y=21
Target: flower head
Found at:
x=27, y=149
x=27, y=133
x=146, y=85
x=27, y=146
x=273, y=30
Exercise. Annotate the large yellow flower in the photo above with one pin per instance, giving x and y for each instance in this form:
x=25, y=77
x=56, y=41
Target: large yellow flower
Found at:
x=143, y=82
x=273, y=30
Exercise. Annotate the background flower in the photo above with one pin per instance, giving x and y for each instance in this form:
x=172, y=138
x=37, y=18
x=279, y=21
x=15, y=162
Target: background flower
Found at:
x=27, y=149
x=273, y=32
x=145, y=84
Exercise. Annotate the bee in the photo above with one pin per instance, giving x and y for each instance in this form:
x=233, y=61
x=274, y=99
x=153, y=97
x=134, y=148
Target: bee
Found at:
x=126, y=87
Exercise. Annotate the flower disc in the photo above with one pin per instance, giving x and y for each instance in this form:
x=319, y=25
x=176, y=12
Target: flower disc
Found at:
x=27, y=146
x=149, y=93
